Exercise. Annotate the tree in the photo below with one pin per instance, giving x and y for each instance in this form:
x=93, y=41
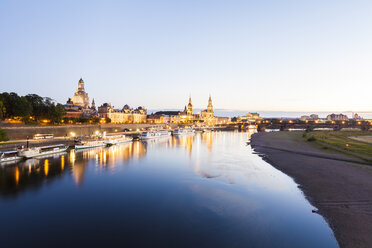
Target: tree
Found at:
x=2, y=110
x=38, y=107
x=56, y=113
x=3, y=135
x=15, y=105
x=107, y=120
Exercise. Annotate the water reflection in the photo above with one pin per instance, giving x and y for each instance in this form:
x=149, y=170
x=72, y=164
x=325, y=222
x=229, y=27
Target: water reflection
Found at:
x=202, y=190
x=32, y=173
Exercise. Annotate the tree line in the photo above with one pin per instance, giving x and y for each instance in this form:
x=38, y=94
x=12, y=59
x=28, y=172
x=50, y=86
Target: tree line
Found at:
x=31, y=108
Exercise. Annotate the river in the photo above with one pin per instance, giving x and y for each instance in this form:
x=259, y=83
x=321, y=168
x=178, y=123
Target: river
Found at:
x=204, y=190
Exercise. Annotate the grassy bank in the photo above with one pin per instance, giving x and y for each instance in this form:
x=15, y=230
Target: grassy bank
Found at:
x=342, y=141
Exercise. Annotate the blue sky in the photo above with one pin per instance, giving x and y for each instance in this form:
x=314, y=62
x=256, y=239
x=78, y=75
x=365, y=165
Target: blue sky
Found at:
x=250, y=55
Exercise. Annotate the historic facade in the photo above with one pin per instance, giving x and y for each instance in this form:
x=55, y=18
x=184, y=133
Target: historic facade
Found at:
x=124, y=115
x=78, y=104
x=206, y=117
x=208, y=113
x=81, y=98
x=250, y=117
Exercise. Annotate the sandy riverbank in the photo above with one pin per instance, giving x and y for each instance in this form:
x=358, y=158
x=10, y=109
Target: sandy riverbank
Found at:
x=338, y=185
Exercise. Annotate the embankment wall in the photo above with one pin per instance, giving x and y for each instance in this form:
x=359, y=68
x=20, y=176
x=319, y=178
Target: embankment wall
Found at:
x=22, y=132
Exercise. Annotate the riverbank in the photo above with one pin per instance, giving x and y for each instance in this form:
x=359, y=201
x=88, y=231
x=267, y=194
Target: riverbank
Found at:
x=340, y=186
x=20, y=132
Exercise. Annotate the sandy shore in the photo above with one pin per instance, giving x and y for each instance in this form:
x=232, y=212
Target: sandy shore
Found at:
x=338, y=185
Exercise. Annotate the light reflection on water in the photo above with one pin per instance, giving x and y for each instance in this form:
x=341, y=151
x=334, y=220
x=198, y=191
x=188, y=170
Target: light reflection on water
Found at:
x=205, y=190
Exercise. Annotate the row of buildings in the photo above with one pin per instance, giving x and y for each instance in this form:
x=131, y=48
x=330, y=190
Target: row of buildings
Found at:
x=330, y=117
x=79, y=106
x=206, y=116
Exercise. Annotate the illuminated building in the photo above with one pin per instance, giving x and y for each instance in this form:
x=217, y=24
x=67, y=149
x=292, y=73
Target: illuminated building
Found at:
x=337, y=117
x=124, y=115
x=250, y=117
x=78, y=104
x=187, y=116
x=312, y=117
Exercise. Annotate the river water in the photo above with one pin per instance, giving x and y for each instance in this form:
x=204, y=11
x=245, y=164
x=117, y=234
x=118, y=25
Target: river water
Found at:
x=205, y=190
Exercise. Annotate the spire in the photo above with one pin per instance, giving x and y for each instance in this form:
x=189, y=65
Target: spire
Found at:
x=210, y=105
x=81, y=84
x=190, y=99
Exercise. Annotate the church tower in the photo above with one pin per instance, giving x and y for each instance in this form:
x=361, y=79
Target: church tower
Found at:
x=189, y=107
x=81, y=85
x=93, y=105
x=210, y=106
x=80, y=98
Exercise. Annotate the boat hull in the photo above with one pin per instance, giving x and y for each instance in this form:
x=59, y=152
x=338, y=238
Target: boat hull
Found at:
x=116, y=142
x=80, y=147
x=32, y=154
x=10, y=159
x=154, y=137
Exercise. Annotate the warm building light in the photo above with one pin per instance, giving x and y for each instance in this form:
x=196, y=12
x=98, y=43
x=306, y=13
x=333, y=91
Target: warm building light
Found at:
x=17, y=175
x=72, y=134
x=46, y=167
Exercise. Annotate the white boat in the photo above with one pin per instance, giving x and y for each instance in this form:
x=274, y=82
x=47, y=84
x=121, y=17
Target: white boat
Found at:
x=90, y=144
x=116, y=139
x=9, y=156
x=183, y=131
x=155, y=134
x=41, y=151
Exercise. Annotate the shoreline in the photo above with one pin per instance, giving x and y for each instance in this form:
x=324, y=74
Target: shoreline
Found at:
x=339, y=186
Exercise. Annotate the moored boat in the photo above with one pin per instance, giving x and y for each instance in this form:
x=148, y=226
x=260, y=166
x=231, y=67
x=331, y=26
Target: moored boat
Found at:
x=9, y=156
x=89, y=144
x=41, y=151
x=117, y=139
x=155, y=134
x=183, y=131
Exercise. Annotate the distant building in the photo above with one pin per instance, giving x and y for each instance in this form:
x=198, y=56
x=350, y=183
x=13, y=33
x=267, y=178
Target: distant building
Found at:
x=207, y=115
x=81, y=98
x=357, y=117
x=187, y=116
x=78, y=104
x=250, y=117
x=337, y=117
x=166, y=117
x=124, y=115
x=312, y=117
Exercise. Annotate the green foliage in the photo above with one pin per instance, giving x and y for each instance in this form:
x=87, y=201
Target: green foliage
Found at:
x=56, y=113
x=343, y=141
x=3, y=135
x=311, y=139
x=15, y=105
x=107, y=120
x=95, y=120
x=33, y=105
x=2, y=110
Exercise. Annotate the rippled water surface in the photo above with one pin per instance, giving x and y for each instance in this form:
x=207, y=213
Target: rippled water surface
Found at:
x=205, y=190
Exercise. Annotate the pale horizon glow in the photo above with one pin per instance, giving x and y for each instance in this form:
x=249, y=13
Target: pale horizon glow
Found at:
x=301, y=56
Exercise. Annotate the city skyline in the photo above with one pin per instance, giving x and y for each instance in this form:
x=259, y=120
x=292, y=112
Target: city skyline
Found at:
x=304, y=57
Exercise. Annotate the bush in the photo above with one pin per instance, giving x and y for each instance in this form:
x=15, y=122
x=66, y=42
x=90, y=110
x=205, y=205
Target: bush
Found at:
x=311, y=139
x=3, y=135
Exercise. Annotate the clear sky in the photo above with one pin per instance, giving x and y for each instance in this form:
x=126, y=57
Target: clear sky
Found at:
x=256, y=55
